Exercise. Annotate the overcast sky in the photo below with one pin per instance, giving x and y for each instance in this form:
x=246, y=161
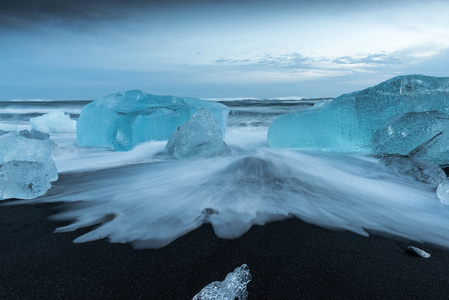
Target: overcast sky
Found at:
x=85, y=49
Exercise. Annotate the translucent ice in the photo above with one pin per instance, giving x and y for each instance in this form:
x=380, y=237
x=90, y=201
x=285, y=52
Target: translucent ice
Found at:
x=26, y=166
x=199, y=137
x=122, y=120
x=233, y=287
x=22, y=180
x=416, y=169
x=443, y=192
x=418, y=134
x=349, y=121
x=54, y=122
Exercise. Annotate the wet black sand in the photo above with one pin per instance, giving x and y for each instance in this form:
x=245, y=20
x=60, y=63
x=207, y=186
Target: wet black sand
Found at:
x=288, y=260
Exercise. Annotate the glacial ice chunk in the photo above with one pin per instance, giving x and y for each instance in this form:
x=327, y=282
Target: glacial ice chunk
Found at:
x=443, y=192
x=415, y=169
x=54, y=122
x=26, y=166
x=348, y=122
x=418, y=134
x=122, y=120
x=199, y=137
x=234, y=286
x=22, y=180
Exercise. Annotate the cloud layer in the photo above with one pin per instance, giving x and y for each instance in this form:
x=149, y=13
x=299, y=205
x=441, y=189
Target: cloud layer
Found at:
x=84, y=49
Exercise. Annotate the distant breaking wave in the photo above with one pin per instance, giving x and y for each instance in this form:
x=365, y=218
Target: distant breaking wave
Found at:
x=44, y=100
x=28, y=111
x=296, y=98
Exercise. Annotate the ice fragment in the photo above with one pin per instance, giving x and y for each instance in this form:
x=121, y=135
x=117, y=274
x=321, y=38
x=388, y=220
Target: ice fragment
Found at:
x=199, y=137
x=26, y=166
x=234, y=286
x=418, y=134
x=416, y=251
x=443, y=191
x=416, y=169
x=54, y=122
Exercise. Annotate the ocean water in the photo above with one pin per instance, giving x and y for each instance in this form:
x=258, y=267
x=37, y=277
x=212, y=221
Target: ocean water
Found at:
x=145, y=198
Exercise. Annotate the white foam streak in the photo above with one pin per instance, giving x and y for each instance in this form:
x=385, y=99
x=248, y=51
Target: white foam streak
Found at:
x=143, y=197
x=284, y=98
x=31, y=100
x=231, y=99
x=71, y=158
x=158, y=202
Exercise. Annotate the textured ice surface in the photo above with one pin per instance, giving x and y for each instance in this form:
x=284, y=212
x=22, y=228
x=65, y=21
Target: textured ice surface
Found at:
x=123, y=120
x=349, y=121
x=443, y=192
x=26, y=166
x=416, y=169
x=54, y=122
x=22, y=180
x=233, y=287
x=199, y=137
x=418, y=134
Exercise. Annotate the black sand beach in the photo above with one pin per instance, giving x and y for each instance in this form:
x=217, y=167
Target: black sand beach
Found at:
x=287, y=260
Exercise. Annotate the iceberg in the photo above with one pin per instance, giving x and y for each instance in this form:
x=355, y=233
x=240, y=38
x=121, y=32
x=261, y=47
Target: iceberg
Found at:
x=417, y=134
x=54, y=122
x=347, y=123
x=26, y=166
x=233, y=287
x=199, y=137
x=121, y=121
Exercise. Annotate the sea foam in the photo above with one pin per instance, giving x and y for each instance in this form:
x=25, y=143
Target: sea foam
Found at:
x=154, y=203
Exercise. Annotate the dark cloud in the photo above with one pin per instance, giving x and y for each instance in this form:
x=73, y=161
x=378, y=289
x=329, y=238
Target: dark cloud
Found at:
x=73, y=9
x=23, y=13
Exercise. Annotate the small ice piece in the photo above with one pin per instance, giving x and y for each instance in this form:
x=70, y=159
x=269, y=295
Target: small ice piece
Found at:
x=418, y=134
x=199, y=137
x=416, y=251
x=26, y=165
x=443, y=192
x=416, y=169
x=22, y=180
x=54, y=122
x=123, y=120
x=234, y=286
x=348, y=122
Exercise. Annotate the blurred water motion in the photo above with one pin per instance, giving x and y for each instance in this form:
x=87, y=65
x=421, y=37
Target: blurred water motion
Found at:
x=143, y=197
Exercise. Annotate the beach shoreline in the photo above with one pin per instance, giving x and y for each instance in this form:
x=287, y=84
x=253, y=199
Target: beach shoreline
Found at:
x=288, y=260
